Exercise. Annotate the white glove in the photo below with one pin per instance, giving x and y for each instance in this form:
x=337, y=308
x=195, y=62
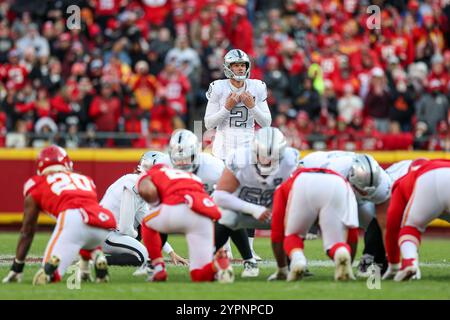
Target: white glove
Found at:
x=13, y=277
x=391, y=271
x=280, y=274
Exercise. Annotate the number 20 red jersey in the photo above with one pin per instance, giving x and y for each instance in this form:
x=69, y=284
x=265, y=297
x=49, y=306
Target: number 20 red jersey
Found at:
x=60, y=191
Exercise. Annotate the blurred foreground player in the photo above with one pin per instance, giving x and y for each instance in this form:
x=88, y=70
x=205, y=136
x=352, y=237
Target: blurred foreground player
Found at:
x=82, y=224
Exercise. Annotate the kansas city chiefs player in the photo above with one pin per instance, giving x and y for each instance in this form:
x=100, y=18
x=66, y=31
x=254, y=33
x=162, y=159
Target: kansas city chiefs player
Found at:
x=81, y=226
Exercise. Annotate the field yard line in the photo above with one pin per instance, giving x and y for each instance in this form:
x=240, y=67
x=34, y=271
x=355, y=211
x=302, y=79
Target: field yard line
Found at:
x=6, y=260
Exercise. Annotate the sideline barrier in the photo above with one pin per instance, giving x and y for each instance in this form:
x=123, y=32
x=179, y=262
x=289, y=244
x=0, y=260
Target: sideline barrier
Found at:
x=107, y=165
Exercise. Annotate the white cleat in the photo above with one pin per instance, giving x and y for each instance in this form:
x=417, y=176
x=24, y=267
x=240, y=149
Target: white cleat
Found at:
x=409, y=270
x=343, y=262
x=143, y=271
x=297, y=270
x=251, y=270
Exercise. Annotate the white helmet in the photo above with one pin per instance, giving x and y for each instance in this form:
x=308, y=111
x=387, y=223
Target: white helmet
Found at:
x=268, y=149
x=236, y=56
x=184, y=148
x=364, y=174
x=149, y=159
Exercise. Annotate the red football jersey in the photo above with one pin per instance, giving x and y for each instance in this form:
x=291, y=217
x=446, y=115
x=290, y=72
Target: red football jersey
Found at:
x=280, y=200
x=177, y=186
x=60, y=191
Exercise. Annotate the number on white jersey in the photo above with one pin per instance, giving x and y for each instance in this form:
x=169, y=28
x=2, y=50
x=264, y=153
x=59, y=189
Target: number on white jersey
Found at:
x=64, y=182
x=239, y=117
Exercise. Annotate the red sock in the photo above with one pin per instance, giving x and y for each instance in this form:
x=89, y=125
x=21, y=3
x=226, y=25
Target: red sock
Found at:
x=409, y=233
x=331, y=252
x=292, y=242
x=204, y=274
x=152, y=242
x=56, y=277
x=352, y=235
x=85, y=254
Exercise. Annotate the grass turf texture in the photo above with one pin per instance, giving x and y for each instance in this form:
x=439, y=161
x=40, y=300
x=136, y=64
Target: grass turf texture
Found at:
x=435, y=283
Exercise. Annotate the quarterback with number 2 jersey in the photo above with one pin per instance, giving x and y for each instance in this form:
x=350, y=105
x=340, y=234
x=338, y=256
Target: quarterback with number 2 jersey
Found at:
x=230, y=110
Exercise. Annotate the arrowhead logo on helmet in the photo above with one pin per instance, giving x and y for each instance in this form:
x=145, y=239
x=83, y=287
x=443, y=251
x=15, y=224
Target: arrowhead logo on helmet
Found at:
x=53, y=158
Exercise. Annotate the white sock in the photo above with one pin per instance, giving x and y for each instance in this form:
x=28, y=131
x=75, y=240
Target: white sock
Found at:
x=250, y=241
x=298, y=255
x=409, y=250
x=227, y=245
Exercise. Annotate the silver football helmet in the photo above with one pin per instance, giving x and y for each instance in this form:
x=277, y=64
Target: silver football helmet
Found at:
x=268, y=149
x=236, y=56
x=184, y=149
x=149, y=159
x=364, y=174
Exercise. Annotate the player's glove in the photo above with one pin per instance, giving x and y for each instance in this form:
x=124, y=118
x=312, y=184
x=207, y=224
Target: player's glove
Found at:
x=16, y=272
x=391, y=271
x=280, y=274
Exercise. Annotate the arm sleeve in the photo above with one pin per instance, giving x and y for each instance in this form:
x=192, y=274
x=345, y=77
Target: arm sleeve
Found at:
x=229, y=201
x=278, y=213
x=167, y=248
x=261, y=111
x=214, y=113
x=127, y=213
x=393, y=224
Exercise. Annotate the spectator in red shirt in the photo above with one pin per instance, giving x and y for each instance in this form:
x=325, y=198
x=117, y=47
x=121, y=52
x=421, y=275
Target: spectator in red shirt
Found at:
x=174, y=86
x=105, y=109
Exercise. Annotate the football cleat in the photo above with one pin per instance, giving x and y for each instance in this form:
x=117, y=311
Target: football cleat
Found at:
x=48, y=273
x=343, y=262
x=159, y=273
x=391, y=271
x=363, y=268
x=224, y=273
x=101, y=268
x=84, y=270
x=297, y=269
x=409, y=270
x=251, y=270
x=146, y=269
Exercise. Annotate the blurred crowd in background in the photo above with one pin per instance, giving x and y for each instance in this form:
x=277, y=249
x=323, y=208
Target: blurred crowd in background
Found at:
x=135, y=70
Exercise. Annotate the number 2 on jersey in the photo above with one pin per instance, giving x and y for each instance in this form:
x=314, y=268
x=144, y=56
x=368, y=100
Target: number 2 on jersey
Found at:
x=239, y=117
x=64, y=182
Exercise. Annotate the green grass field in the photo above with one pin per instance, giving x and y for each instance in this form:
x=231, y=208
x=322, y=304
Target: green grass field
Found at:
x=435, y=283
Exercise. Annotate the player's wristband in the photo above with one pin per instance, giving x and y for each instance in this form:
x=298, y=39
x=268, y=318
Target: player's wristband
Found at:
x=17, y=267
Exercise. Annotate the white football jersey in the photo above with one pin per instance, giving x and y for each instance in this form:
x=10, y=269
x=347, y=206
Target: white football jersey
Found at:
x=255, y=188
x=341, y=162
x=113, y=197
x=398, y=169
x=209, y=170
x=235, y=128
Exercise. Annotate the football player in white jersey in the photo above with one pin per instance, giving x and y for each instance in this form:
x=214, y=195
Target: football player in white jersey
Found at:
x=234, y=104
x=245, y=190
x=121, y=198
x=185, y=154
x=372, y=187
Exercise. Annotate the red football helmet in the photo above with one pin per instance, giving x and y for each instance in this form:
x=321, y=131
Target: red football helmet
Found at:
x=417, y=163
x=53, y=156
